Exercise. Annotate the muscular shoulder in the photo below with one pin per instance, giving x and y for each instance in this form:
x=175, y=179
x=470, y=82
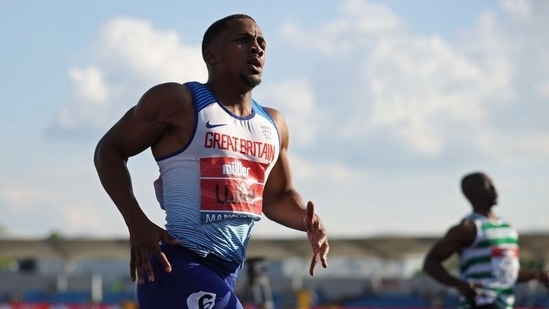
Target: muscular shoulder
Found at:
x=275, y=114
x=280, y=123
x=163, y=101
x=463, y=234
x=167, y=110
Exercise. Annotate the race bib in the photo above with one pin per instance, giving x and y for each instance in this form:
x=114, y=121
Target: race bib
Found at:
x=505, y=265
x=231, y=188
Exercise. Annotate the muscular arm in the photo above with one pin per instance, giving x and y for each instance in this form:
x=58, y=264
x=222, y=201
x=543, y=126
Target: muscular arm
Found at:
x=111, y=155
x=140, y=128
x=283, y=204
x=457, y=237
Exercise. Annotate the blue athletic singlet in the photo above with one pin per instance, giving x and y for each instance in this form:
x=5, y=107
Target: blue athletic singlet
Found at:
x=212, y=193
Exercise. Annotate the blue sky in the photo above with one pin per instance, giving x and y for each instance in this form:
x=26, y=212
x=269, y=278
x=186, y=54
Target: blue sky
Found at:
x=389, y=103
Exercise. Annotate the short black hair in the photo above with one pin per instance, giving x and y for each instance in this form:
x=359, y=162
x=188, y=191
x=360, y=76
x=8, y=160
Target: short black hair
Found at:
x=474, y=178
x=472, y=181
x=217, y=27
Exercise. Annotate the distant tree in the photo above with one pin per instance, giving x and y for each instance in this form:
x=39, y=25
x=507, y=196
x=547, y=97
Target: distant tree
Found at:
x=5, y=263
x=55, y=235
x=532, y=263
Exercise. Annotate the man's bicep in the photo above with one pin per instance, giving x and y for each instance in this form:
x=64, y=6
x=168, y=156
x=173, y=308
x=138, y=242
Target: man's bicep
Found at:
x=449, y=244
x=145, y=123
x=136, y=131
x=442, y=250
x=279, y=180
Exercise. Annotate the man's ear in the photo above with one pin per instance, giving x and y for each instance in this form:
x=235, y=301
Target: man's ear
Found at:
x=210, y=57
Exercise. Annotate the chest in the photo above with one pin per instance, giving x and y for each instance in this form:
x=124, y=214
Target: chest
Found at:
x=222, y=134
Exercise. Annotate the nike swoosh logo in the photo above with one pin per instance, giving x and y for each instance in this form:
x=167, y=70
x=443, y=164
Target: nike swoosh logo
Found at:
x=210, y=125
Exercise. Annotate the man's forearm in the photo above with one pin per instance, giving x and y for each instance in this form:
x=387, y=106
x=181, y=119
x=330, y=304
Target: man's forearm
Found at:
x=440, y=274
x=527, y=275
x=288, y=210
x=116, y=180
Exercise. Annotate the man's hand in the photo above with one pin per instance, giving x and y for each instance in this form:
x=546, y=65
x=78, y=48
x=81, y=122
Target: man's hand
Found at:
x=543, y=278
x=144, y=241
x=316, y=233
x=468, y=290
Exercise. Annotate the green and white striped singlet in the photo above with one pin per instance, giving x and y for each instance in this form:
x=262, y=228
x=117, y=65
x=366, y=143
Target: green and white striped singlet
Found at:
x=492, y=261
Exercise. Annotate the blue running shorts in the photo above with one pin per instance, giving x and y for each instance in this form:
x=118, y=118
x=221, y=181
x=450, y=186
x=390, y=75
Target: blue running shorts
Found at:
x=195, y=282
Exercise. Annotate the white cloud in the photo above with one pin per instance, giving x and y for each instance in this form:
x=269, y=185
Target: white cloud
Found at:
x=128, y=57
x=513, y=147
x=133, y=47
x=542, y=88
x=414, y=83
x=295, y=99
x=357, y=22
x=522, y=7
x=65, y=195
x=87, y=94
x=427, y=92
x=88, y=84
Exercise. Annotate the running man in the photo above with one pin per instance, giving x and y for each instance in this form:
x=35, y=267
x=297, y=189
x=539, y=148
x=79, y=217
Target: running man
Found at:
x=223, y=161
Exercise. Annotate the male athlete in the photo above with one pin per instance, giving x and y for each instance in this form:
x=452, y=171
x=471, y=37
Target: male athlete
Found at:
x=488, y=250
x=223, y=163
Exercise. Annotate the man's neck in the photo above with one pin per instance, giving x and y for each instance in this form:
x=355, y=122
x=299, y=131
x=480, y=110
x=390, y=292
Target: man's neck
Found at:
x=237, y=101
x=487, y=212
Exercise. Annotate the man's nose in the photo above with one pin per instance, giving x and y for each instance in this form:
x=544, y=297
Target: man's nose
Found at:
x=256, y=48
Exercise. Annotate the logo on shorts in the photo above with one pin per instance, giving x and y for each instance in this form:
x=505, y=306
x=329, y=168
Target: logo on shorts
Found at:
x=201, y=300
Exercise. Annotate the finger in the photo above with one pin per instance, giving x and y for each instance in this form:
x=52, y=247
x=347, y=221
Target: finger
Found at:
x=166, y=237
x=310, y=211
x=144, y=267
x=475, y=288
x=132, y=265
x=324, y=255
x=147, y=267
x=314, y=261
x=139, y=270
x=164, y=261
x=160, y=254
